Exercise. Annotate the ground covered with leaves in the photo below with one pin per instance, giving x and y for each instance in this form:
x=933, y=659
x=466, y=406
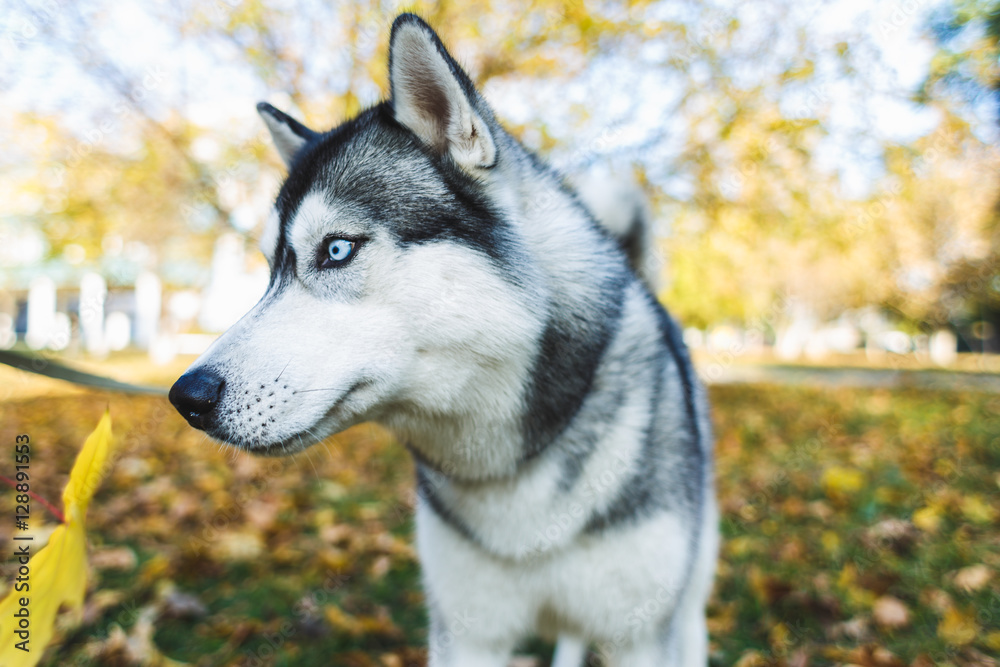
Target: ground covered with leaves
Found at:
x=861, y=527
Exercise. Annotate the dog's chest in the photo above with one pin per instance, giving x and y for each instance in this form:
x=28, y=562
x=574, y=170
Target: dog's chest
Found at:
x=551, y=500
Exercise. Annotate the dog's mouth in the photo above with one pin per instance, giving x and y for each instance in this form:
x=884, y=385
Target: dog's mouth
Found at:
x=333, y=421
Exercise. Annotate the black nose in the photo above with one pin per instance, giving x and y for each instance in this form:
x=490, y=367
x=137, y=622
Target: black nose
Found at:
x=196, y=395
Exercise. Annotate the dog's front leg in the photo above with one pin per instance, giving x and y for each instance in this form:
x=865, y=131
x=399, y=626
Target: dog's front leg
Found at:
x=450, y=649
x=464, y=655
x=476, y=615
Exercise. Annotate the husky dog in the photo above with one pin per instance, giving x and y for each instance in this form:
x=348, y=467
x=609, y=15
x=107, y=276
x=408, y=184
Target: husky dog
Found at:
x=430, y=274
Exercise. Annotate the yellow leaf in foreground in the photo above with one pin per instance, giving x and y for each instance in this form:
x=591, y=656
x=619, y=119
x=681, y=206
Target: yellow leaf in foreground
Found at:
x=57, y=575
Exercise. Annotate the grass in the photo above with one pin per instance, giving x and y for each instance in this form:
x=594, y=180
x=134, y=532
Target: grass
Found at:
x=839, y=506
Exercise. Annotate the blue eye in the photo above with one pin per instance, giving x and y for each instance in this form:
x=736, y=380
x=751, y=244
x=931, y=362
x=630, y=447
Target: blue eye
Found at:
x=338, y=252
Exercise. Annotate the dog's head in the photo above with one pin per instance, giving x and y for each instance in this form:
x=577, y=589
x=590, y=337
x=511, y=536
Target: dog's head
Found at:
x=398, y=283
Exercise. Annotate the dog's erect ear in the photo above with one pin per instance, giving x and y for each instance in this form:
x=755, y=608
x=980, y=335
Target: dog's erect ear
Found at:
x=289, y=134
x=434, y=98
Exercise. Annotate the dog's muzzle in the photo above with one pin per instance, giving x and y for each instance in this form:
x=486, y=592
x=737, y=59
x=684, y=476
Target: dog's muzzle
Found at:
x=196, y=396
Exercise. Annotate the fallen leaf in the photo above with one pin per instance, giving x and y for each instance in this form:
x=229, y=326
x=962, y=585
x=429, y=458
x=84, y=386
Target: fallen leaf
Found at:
x=100, y=602
x=779, y=638
x=937, y=599
x=751, y=659
x=872, y=656
x=973, y=578
x=927, y=519
x=342, y=621
x=973, y=658
x=856, y=629
x=976, y=509
x=134, y=647
x=393, y=660
x=890, y=613
x=958, y=628
x=237, y=546
x=840, y=482
x=380, y=567
x=831, y=542
x=895, y=534
x=799, y=659
x=178, y=604
x=820, y=510
x=114, y=558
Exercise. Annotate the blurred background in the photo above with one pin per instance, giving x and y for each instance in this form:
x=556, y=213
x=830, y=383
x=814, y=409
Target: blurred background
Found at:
x=823, y=173
x=824, y=177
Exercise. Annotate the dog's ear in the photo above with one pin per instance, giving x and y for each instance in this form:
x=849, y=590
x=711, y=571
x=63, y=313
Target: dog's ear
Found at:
x=289, y=135
x=434, y=98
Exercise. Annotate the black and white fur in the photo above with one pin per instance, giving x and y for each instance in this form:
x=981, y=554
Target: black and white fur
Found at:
x=561, y=438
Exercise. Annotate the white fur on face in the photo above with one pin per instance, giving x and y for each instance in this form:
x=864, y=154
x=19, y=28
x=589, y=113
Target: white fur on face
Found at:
x=298, y=368
x=419, y=337
x=315, y=220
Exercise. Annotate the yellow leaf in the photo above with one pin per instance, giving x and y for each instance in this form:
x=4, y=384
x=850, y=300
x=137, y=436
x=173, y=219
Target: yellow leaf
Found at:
x=56, y=576
x=957, y=628
x=831, y=542
x=88, y=470
x=976, y=509
x=780, y=638
x=927, y=519
x=840, y=482
x=751, y=659
x=342, y=621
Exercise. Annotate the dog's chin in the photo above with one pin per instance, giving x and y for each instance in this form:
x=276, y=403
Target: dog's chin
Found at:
x=279, y=449
x=274, y=448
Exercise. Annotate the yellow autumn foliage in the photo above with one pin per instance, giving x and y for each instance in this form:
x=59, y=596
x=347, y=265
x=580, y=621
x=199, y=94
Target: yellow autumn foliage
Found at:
x=927, y=519
x=57, y=574
x=958, y=628
x=840, y=483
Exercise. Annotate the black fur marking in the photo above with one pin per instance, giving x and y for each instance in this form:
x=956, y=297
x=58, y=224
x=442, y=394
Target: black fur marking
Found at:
x=597, y=420
x=633, y=242
x=427, y=490
x=642, y=494
x=639, y=492
x=675, y=341
x=572, y=346
x=373, y=163
x=295, y=126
